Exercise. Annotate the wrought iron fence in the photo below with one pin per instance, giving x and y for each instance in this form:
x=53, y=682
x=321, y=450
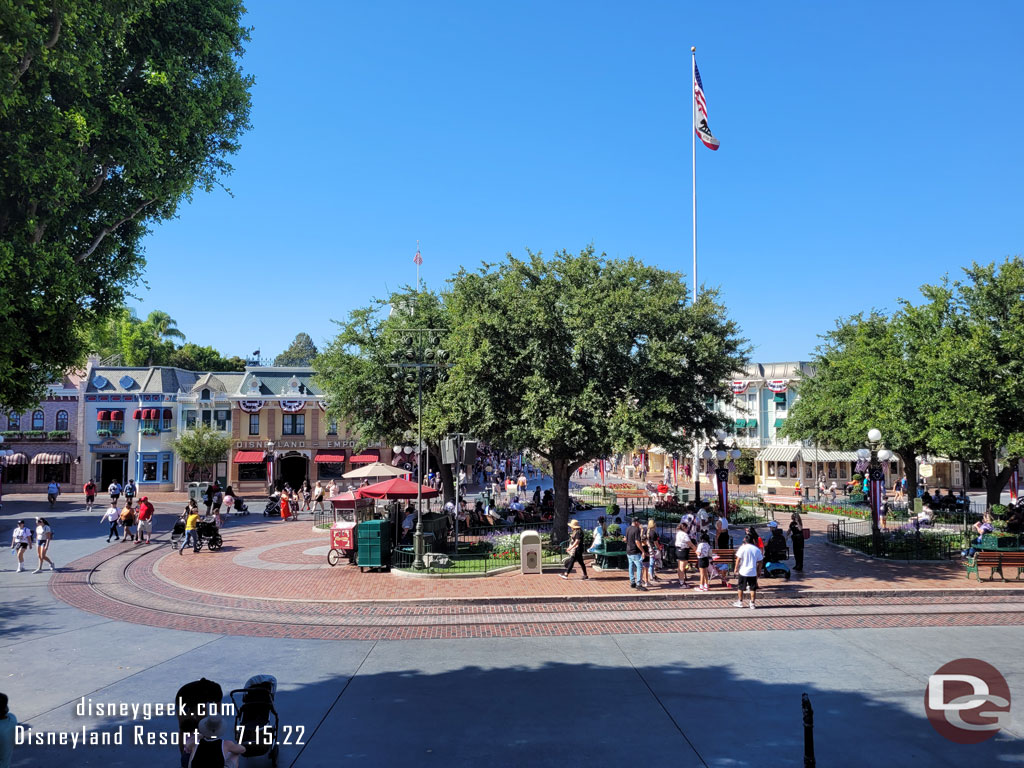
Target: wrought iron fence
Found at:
x=904, y=543
x=479, y=558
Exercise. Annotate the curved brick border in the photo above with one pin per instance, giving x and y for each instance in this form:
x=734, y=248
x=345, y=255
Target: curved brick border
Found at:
x=125, y=585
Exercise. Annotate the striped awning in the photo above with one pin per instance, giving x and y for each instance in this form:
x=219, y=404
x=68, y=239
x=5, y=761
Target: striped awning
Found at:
x=810, y=455
x=779, y=453
x=751, y=423
x=366, y=457
x=330, y=457
x=741, y=424
x=15, y=459
x=60, y=457
x=249, y=457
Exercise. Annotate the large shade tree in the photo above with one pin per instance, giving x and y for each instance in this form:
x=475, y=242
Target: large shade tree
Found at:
x=373, y=398
x=972, y=359
x=866, y=376
x=575, y=356
x=301, y=352
x=111, y=112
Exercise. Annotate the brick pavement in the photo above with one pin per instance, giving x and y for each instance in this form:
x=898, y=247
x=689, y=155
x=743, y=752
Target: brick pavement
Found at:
x=272, y=579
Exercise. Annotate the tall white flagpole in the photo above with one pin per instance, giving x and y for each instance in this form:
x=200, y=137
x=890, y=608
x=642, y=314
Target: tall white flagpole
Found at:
x=693, y=159
x=418, y=267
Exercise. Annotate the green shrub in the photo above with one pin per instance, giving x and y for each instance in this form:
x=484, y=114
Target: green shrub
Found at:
x=614, y=530
x=58, y=434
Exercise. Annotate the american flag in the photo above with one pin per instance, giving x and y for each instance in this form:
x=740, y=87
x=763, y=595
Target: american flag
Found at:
x=700, y=113
x=417, y=259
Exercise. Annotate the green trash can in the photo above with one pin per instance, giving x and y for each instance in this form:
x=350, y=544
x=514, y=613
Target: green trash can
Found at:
x=373, y=548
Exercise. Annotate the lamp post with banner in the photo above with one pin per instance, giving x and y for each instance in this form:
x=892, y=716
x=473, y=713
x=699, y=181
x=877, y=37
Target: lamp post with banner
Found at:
x=874, y=456
x=722, y=453
x=421, y=354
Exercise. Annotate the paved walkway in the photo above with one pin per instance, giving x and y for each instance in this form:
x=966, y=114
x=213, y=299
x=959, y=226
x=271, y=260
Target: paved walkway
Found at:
x=272, y=579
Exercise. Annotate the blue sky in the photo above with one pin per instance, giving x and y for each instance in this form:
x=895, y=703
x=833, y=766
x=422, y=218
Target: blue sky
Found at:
x=867, y=148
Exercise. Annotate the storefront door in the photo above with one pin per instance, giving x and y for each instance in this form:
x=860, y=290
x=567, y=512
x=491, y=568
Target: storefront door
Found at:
x=112, y=468
x=294, y=470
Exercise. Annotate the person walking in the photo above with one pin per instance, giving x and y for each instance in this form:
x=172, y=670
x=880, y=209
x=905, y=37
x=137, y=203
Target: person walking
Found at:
x=796, y=535
x=89, y=489
x=286, y=505
x=127, y=520
x=683, y=545
x=114, y=489
x=44, y=534
x=52, y=492
x=575, y=550
x=146, y=511
x=191, y=526
x=20, y=542
x=130, y=491
x=634, y=555
x=307, y=496
x=747, y=558
x=111, y=516
x=704, y=561
x=318, y=496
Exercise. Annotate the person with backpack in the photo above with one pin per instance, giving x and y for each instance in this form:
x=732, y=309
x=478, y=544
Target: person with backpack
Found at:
x=127, y=521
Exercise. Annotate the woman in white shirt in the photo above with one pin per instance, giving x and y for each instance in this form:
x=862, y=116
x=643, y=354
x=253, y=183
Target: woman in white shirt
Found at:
x=722, y=532
x=111, y=516
x=43, y=536
x=600, y=531
x=683, y=546
x=20, y=542
x=704, y=561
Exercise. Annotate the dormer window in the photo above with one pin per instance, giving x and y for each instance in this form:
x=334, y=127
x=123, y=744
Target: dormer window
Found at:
x=254, y=386
x=293, y=386
x=127, y=382
x=205, y=395
x=99, y=381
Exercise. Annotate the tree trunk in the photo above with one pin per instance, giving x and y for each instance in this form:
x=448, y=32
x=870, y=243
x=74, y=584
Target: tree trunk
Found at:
x=995, y=480
x=909, y=457
x=560, y=474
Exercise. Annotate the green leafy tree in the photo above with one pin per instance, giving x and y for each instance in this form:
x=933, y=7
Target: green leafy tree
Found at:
x=373, y=398
x=972, y=352
x=301, y=352
x=202, y=446
x=111, y=112
x=193, y=357
x=866, y=376
x=579, y=355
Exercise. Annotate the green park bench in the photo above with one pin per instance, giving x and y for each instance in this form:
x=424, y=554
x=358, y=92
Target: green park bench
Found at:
x=995, y=561
x=611, y=559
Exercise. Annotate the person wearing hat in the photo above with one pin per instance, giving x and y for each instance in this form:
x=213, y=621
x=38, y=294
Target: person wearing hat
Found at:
x=210, y=750
x=575, y=550
x=20, y=542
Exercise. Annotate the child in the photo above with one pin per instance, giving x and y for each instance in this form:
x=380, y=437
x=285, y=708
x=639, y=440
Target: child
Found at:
x=704, y=561
x=645, y=561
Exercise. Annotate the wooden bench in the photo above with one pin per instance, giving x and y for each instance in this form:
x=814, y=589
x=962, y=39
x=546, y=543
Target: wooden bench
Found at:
x=782, y=501
x=726, y=557
x=994, y=561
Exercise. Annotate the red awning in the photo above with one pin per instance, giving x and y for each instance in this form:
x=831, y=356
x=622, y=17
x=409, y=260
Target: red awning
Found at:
x=367, y=457
x=329, y=458
x=168, y=414
x=249, y=457
x=117, y=415
x=61, y=457
x=137, y=415
x=151, y=413
x=102, y=415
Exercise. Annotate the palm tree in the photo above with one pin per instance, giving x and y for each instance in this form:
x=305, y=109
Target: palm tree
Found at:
x=164, y=326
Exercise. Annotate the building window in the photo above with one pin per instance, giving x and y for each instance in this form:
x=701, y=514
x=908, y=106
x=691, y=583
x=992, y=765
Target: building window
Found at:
x=62, y=421
x=293, y=424
x=832, y=470
x=190, y=419
x=207, y=417
x=116, y=426
x=205, y=394
x=222, y=418
x=48, y=473
x=37, y=421
x=332, y=428
x=16, y=473
x=330, y=471
x=254, y=423
x=781, y=469
x=771, y=468
x=842, y=470
x=149, y=465
x=252, y=472
x=809, y=471
x=13, y=421
x=166, y=423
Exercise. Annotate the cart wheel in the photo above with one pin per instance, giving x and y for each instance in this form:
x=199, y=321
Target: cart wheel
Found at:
x=333, y=557
x=197, y=546
x=216, y=544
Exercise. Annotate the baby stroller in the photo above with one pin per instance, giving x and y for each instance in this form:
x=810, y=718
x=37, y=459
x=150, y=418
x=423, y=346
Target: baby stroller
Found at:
x=776, y=553
x=207, y=533
x=177, y=532
x=256, y=723
x=240, y=506
x=273, y=505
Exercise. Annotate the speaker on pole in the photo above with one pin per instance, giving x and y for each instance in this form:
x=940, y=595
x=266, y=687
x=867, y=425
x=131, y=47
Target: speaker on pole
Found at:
x=469, y=453
x=448, y=451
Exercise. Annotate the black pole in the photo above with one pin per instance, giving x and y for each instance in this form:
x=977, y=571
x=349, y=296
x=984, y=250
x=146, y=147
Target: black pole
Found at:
x=805, y=702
